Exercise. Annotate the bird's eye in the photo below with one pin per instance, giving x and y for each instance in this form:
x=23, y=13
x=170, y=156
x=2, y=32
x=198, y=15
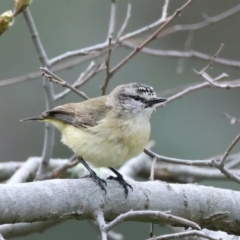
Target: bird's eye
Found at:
x=137, y=98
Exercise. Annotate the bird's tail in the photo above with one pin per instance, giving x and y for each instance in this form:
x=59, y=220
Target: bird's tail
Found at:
x=37, y=118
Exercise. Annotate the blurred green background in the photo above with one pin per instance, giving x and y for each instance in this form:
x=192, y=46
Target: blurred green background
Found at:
x=191, y=128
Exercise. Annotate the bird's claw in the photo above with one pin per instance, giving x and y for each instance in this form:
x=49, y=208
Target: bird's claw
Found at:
x=123, y=183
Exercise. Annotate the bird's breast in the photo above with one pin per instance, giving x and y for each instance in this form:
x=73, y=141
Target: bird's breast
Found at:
x=108, y=145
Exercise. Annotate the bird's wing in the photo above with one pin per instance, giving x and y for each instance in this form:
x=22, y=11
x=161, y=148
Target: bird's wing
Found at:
x=84, y=114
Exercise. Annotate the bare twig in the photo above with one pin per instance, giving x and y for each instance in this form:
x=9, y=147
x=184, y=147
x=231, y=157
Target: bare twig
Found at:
x=200, y=86
x=212, y=60
x=184, y=234
x=99, y=47
x=151, y=178
x=29, y=169
x=50, y=102
x=150, y=26
x=24, y=229
x=112, y=21
x=108, y=75
x=1, y=237
x=186, y=49
x=56, y=173
x=231, y=118
x=7, y=169
x=35, y=37
x=101, y=223
x=96, y=50
x=208, y=21
x=125, y=23
x=150, y=38
x=225, y=155
x=54, y=78
x=228, y=173
x=131, y=215
x=218, y=85
x=181, y=174
x=210, y=163
x=60, y=67
x=179, y=161
x=84, y=73
x=83, y=79
x=111, y=234
x=88, y=51
x=182, y=54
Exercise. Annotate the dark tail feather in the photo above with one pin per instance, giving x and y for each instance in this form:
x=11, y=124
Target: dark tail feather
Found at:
x=38, y=118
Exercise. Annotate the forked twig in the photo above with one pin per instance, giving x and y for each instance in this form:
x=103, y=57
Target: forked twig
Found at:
x=107, y=62
x=54, y=78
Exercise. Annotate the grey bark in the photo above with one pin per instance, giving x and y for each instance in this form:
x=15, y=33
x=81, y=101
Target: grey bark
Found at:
x=212, y=208
x=23, y=229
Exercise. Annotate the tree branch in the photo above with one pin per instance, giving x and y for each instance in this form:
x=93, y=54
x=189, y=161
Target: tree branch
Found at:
x=54, y=78
x=61, y=199
x=50, y=102
x=190, y=233
x=150, y=38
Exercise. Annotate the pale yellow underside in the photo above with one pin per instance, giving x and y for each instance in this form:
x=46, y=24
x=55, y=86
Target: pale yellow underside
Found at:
x=104, y=145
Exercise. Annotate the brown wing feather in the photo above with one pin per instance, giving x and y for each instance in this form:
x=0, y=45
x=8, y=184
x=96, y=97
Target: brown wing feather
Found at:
x=84, y=114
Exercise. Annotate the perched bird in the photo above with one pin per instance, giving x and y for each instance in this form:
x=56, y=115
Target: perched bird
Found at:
x=108, y=130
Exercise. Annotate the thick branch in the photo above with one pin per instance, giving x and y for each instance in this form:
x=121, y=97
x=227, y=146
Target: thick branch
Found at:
x=23, y=229
x=54, y=199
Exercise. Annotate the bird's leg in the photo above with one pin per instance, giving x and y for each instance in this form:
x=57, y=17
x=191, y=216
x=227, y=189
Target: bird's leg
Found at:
x=100, y=182
x=121, y=180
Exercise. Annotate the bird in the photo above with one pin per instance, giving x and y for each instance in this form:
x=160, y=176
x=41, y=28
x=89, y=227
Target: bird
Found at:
x=106, y=131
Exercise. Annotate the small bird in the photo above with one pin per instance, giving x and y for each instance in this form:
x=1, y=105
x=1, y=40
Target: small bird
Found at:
x=108, y=130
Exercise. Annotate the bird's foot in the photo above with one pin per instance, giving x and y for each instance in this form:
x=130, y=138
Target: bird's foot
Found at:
x=122, y=182
x=99, y=181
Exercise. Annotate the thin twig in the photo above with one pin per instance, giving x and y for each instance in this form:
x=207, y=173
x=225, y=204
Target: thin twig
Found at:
x=197, y=87
x=179, y=161
x=231, y=118
x=54, y=78
x=125, y=22
x=226, y=154
x=96, y=50
x=57, y=173
x=108, y=75
x=151, y=178
x=99, y=47
x=1, y=237
x=49, y=92
x=208, y=21
x=149, y=39
x=101, y=223
x=112, y=21
x=81, y=81
x=112, y=235
x=63, y=66
x=150, y=26
x=7, y=169
x=211, y=81
x=131, y=215
x=181, y=174
x=182, y=54
x=35, y=37
x=210, y=163
x=184, y=234
x=212, y=60
x=17, y=230
x=186, y=49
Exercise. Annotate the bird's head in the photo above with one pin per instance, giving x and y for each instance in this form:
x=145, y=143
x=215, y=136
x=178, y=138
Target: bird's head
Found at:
x=134, y=98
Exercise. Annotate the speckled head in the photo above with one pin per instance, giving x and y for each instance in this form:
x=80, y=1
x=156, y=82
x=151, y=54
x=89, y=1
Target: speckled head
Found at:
x=134, y=98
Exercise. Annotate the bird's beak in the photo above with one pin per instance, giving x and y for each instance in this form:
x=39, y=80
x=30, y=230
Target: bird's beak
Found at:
x=154, y=101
